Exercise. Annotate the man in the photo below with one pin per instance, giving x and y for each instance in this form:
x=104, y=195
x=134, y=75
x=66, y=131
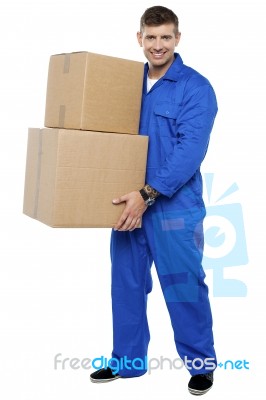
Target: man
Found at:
x=178, y=111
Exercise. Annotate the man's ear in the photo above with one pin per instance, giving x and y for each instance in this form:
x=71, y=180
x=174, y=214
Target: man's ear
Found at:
x=177, y=38
x=139, y=38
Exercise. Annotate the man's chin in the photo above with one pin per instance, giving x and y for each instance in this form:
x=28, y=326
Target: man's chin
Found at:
x=158, y=63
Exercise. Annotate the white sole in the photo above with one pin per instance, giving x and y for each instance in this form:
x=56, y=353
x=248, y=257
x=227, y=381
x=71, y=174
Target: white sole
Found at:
x=104, y=380
x=198, y=392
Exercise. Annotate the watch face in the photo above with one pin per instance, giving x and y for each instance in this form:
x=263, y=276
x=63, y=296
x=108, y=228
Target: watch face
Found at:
x=150, y=202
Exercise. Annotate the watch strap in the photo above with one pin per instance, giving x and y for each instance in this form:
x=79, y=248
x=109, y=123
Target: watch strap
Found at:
x=151, y=192
x=144, y=195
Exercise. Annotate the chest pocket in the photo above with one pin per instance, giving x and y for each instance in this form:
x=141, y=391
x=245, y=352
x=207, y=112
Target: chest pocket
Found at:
x=166, y=116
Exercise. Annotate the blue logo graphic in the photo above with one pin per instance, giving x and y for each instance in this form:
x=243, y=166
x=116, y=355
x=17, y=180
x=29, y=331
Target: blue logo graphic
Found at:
x=230, y=364
x=225, y=242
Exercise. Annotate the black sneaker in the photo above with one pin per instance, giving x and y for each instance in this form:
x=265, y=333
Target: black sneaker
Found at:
x=200, y=384
x=103, y=375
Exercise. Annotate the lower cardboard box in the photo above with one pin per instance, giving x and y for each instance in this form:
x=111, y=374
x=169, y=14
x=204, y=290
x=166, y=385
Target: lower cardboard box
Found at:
x=72, y=176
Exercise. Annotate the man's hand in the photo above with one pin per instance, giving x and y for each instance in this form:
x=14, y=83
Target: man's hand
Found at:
x=131, y=217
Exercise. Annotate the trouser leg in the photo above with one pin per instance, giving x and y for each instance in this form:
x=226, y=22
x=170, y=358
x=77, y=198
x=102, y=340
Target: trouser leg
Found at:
x=176, y=242
x=131, y=283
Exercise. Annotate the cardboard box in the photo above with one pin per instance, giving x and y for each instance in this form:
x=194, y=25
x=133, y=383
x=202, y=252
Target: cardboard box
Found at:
x=94, y=92
x=73, y=176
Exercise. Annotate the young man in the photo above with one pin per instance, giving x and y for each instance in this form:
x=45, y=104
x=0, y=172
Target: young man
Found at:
x=178, y=111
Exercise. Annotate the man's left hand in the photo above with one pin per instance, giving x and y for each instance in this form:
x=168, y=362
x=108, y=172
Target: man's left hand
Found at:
x=134, y=209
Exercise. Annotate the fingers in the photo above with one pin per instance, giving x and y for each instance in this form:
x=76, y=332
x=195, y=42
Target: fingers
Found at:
x=119, y=200
x=127, y=223
x=135, y=207
x=120, y=222
x=116, y=201
x=137, y=224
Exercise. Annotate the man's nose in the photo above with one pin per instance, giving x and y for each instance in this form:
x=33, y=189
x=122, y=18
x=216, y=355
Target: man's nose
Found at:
x=158, y=44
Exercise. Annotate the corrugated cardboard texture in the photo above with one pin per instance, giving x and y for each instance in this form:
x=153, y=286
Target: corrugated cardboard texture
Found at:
x=73, y=176
x=95, y=92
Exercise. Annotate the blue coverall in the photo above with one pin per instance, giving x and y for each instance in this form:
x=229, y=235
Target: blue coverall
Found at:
x=178, y=115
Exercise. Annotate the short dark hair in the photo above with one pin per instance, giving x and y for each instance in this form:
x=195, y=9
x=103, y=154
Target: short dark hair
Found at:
x=158, y=15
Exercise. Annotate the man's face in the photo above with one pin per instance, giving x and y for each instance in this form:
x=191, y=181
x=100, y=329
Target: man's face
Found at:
x=159, y=44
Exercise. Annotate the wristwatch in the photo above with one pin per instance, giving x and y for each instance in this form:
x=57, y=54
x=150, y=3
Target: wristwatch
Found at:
x=147, y=200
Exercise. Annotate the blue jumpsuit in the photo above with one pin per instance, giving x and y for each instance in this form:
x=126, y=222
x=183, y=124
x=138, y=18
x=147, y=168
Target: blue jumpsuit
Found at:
x=178, y=115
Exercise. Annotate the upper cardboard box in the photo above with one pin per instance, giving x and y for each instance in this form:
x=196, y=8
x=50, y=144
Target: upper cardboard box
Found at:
x=95, y=92
x=73, y=176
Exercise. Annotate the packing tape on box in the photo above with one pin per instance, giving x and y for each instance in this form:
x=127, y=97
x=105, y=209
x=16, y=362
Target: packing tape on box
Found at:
x=62, y=108
x=38, y=175
x=66, y=64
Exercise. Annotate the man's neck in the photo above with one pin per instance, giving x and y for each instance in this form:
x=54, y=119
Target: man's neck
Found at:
x=156, y=73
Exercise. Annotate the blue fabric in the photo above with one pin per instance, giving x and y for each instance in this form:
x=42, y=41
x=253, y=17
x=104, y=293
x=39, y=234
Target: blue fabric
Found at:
x=177, y=115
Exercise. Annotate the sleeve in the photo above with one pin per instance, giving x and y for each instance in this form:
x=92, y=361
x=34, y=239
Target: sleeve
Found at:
x=194, y=126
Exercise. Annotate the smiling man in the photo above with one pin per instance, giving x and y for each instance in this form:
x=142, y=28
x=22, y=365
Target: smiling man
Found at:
x=178, y=111
x=159, y=44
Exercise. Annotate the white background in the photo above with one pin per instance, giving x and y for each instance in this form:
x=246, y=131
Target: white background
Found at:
x=55, y=283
